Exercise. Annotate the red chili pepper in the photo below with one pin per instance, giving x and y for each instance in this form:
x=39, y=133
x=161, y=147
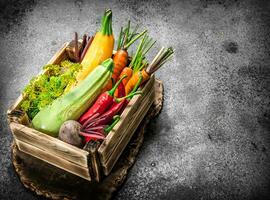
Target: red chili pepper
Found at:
x=96, y=127
x=121, y=90
x=106, y=117
x=103, y=102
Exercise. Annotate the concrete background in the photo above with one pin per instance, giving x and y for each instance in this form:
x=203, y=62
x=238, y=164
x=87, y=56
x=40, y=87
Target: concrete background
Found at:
x=212, y=139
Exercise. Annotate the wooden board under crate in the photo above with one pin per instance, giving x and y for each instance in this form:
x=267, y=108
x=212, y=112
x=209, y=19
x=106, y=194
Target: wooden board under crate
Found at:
x=89, y=163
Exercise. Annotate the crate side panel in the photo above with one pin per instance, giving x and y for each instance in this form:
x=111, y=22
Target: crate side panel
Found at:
x=135, y=120
x=115, y=153
x=50, y=144
x=53, y=160
x=115, y=136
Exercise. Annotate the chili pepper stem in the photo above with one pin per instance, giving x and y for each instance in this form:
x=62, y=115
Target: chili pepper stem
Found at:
x=116, y=120
x=111, y=92
x=129, y=96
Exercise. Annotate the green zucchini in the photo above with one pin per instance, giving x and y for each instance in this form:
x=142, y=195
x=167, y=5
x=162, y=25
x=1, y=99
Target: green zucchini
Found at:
x=73, y=104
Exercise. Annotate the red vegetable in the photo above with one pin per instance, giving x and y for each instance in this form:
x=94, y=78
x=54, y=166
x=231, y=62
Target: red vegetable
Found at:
x=96, y=128
x=88, y=43
x=100, y=131
x=103, y=102
x=120, y=92
x=106, y=117
x=76, y=53
x=91, y=136
x=84, y=42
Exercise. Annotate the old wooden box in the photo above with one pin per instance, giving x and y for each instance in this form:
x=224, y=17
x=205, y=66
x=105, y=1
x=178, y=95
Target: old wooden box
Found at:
x=89, y=163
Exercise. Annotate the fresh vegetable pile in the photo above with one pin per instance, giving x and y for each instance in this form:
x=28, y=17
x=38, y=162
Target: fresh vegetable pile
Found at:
x=82, y=98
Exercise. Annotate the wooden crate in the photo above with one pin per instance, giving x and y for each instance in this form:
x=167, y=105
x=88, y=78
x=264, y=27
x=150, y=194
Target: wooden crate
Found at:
x=96, y=159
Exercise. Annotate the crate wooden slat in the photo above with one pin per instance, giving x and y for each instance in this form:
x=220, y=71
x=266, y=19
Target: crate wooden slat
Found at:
x=118, y=138
x=50, y=144
x=133, y=105
x=96, y=170
x=54, y=160
x=60, y=55
x=127, y=133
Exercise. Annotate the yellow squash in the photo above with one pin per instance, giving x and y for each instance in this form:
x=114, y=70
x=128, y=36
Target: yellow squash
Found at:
x=100, y=49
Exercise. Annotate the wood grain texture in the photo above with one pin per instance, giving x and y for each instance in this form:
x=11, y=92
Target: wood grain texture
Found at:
x=54, y=183
x=60, y=55
x=92, y=147
x=116, y=134
x=54, y=160
x=50, y=144
x=137, y=117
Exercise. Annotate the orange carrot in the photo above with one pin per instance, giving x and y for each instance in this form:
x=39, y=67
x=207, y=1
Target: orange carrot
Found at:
x=134, y=79
x=120, y=60
x=126, y=71
x=138, y=63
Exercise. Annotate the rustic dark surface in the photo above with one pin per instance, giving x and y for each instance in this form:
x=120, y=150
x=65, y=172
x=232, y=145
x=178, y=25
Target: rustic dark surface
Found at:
x=212, y=139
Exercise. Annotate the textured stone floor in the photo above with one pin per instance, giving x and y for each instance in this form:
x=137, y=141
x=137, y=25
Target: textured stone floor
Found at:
x=212, y=139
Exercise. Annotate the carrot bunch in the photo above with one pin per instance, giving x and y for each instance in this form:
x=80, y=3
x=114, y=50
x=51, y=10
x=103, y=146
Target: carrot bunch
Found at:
x=137, y=63
x=120, y=59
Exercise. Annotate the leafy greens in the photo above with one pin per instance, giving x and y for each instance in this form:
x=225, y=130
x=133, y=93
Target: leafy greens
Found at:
x=45, y=88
